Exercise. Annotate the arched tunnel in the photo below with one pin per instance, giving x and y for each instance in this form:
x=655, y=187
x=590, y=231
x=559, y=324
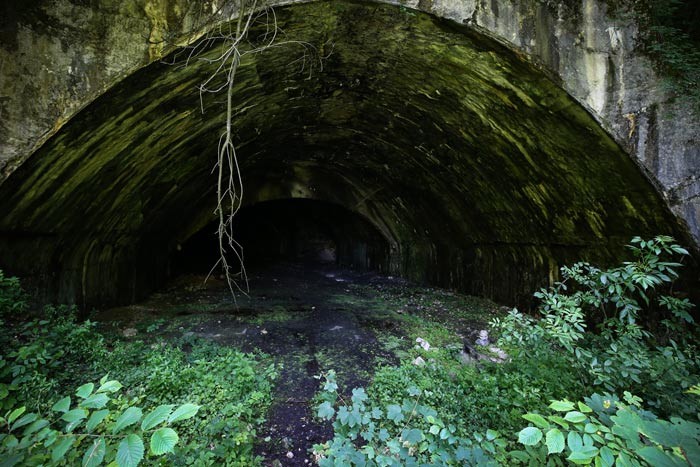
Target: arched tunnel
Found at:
x=415, y=146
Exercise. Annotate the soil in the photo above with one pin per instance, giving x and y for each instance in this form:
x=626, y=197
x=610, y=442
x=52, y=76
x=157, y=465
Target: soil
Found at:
x=311, y=318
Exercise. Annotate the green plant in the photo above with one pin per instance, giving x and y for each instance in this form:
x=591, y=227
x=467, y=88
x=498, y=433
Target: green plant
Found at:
x=671, y=37
x=41, y=358
x=605, y=431
x=13, y=300
x=233, y=388
x=622, y=355
x=42, y=355
x=396, y=434
x=98, y=427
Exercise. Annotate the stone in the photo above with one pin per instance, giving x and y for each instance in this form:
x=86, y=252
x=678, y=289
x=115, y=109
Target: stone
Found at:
x=423, y=343
x=497, y=354
x=419, y=361
x=483, y=339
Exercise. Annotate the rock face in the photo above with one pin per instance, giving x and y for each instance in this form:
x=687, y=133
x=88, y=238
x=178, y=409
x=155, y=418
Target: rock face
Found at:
x=455, y=138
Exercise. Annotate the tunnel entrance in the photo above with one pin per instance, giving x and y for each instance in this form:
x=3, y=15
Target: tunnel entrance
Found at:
x=291, y=230
x=485, y=175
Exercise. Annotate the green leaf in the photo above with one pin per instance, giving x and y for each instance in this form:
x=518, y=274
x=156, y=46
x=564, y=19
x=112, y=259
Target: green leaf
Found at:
x=574, y=441
x=95, y=419
x=85, y=390
x=530, y=436
x=575, y=417
x=96, y=401
x=12, y=460
x=62, y=406
x=393, y=412
x=623, y=460
x=163, y=440
x=559, y=421
x=60, y=449
x=35, y=426
x=183, y=412
x=15, y=413
x=414, y=391
x=412, y=436
x=562, y=406
x=156, y=417
x=74, y=415
x=72, y=425
x=95, y=454
x=521, y=456
x=369, y=452
x=537, y=419
x=130, y=451
x=129, y=417
x=607, y=457
x=584, y=456
x=584, y=408
x=555, y=441
x=358, y=395
x=679, y=250
x=658, y=458
x=110, y=386
x=10, y=442
x=590, y=428
x=326, y=411
x=24, y=420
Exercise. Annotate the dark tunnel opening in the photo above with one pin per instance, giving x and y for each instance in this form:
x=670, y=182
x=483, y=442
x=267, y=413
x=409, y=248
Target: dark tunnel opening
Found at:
x=304, y=231
x=465, y=168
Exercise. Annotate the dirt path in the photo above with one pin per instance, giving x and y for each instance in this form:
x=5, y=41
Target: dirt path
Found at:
x=319, y=332
x=310, y=318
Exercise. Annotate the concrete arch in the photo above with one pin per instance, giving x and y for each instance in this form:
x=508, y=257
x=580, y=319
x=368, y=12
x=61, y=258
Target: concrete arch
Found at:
x=79, y=49
x=485, y=171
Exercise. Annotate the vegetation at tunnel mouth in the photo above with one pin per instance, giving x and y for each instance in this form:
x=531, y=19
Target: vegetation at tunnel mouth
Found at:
x=604, y=372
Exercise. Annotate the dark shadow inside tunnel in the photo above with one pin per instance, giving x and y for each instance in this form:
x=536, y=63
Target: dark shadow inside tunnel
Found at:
x=290, y=230
x=478, y=172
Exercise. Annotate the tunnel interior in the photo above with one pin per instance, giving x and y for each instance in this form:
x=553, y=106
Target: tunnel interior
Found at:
x=305, y=231
x=474, y=169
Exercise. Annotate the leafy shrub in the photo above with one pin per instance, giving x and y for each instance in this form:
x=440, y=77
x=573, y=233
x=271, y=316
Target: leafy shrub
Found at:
x=41, y=358
x=607, y=432
x=471, y=403
x=435, y=413
x=232, y=387
x=13, y=300
x=623, y=355
x=476, y=398
x=98, y=428
x=408, y=433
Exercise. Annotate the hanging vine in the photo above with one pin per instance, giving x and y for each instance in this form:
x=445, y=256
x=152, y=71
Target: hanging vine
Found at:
x=235, y=44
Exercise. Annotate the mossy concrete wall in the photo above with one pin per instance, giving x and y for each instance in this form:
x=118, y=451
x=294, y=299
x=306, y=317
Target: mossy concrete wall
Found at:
x=472, y=161
x=55, y=57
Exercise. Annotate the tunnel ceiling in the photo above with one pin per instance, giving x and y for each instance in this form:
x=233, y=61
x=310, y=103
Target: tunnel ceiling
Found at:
x=464, y=155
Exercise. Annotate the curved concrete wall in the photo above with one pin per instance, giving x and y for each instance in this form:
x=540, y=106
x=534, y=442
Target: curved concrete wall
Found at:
x=477, y=167
x=55, y=57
